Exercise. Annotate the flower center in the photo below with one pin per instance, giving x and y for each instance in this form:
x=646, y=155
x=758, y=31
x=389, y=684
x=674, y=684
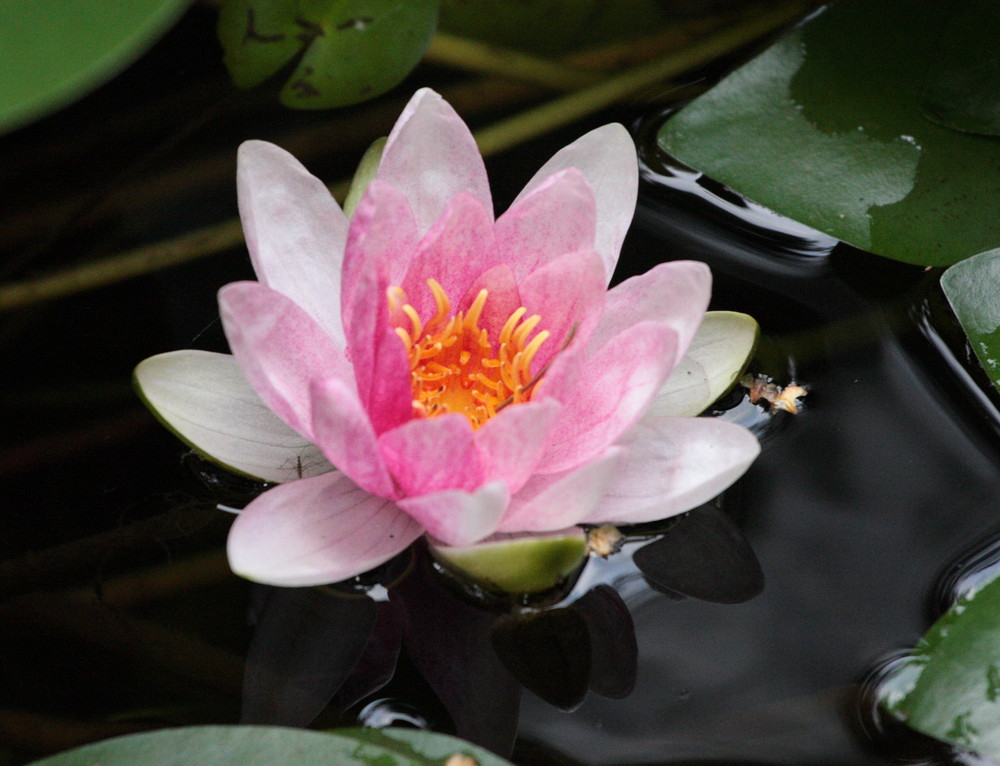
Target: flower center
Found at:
x=456, y=367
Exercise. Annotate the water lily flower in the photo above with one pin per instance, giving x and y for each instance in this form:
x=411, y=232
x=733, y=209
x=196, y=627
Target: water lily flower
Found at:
x=467, y=376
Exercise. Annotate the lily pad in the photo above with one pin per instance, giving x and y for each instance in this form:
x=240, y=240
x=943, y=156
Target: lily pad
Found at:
x=270, y=745
x=522, y=564
x=950, y=687
x=53, y=52
x=827, y=127
x=973, y=290
x=343, y=51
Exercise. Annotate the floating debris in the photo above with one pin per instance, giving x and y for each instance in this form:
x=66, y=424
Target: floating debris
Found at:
x=605, y=540
x=461, y=759
x=762, y=387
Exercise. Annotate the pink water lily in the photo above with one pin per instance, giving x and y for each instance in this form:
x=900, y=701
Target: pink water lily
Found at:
x=466, y=375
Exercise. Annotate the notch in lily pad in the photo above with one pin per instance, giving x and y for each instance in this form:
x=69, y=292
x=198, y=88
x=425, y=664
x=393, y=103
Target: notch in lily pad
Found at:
x=340, y=52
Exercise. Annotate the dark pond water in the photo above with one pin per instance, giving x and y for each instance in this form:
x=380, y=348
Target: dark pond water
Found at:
x=856, y=508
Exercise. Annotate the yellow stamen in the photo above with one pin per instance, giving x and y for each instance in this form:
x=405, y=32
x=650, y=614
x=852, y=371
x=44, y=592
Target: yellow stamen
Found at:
x=455, y=366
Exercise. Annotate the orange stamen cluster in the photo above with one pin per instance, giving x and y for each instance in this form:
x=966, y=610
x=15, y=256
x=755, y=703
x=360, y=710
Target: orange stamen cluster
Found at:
x=455, y=366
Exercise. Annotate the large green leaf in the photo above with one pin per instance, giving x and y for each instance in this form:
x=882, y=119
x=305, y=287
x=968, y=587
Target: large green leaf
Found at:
x=344, y=51
x=827, y=127
x=55, y=51
x=973, y=290
x=269, y=746
x=950, y=687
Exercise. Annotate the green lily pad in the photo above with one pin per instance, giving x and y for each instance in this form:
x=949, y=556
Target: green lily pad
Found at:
x=270, y=745
x=827, y=127
x=344, y=51
x=518, y=564
x=973, y=290
x=950, y=687
x=53, y=52
x=964, y=80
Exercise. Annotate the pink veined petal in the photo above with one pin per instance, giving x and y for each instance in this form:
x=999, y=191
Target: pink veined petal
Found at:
x=280, y=349
x=676, y=293
x=382, y=230
x=614, y=389
x=428, y=455
x=672, y=465
x=318, y=530
x=606, y=157
x=459, y=247
x=568, y=293
x=503, y=300
x=557, y=216
x=460, y=518
x=344, y=433
x=295, y=231
x=432, y=157
x=382, y=368
x=558, y=500
x=512, y=442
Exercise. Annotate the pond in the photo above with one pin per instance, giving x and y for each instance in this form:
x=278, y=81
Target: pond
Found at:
x=120, y=613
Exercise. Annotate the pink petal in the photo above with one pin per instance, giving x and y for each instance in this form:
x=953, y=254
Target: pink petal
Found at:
x=512, y=442
x=567, y=293
x=558, y=216
x=676, y=293
x=459, y=247
x=428, y=455
x=502, y=301
x=672, y=465
x=431, y=157
x=606, y=157
x=614, y=389
x=554, y=501
x=460, y=518
x=294, y=230
x=380, y=230
x=314, y=531
x=280, y=349
x=343, y=431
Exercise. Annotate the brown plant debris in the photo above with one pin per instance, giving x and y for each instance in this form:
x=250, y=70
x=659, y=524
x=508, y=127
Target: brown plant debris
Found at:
x=604, y=540
x=762, y=387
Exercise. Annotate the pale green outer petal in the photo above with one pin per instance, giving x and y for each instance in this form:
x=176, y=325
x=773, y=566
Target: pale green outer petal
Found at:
x=205, y=400
x=366, y=171
x=719, y=353
x=526, y=563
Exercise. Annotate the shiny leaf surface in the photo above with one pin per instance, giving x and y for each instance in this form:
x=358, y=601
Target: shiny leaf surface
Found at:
x=973, y=290
x=830, y=131
x=950, y=687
